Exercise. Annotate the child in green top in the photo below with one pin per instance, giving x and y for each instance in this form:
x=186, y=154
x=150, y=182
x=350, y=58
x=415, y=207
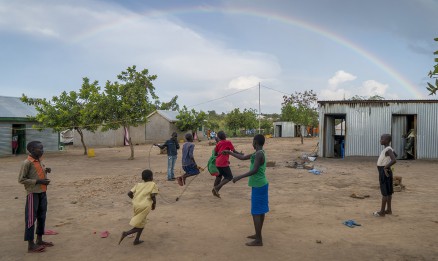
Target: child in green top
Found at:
x=259, y=183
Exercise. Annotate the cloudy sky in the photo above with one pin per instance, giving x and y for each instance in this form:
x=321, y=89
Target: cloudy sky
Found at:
x=205, y=50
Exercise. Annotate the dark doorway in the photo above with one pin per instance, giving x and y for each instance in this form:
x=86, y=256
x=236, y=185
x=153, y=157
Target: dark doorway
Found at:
x=334, y=135
x=404, y=136
x=278, y=131
x=19, y=130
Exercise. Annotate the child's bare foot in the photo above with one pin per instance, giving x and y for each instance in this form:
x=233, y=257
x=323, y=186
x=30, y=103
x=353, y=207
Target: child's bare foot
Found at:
x=215, y=193
x=124, y=234
x=137, y=242
x=255, y=243
x=388, y=212
x=36, y=249
x=44, y=243
x=252, y=237
x=378, y=214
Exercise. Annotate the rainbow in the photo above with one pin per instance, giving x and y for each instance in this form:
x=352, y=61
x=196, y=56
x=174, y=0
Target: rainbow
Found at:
x=405, y=83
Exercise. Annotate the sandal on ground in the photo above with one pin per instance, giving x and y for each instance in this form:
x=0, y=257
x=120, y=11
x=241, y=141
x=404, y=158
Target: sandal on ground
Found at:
x=377, y=214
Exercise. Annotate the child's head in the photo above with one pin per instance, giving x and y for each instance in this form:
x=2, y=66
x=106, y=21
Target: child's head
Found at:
x=174, y=135
x=221, y=135
x=189, y=137
x=259, y=140
x=147, y=175
x=385, y=139
x=35, y=149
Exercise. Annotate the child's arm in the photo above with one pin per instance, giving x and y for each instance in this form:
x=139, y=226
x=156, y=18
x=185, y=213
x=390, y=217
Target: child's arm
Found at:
x=391, y=155
x=154, y=201
x=259, y=160
x=131, y=194
x=235, y=154
x=24, y=179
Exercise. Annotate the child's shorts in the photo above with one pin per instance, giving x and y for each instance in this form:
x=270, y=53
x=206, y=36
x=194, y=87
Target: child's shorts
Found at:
x=260, y=200
x=386, y=187
x=225, y=172
x=191, y=169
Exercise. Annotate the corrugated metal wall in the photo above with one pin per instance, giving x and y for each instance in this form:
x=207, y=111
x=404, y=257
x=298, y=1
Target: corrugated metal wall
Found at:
x=399, y=125
x=366, y=122
x=5, y=139
x=287, y=129
x=49, y=139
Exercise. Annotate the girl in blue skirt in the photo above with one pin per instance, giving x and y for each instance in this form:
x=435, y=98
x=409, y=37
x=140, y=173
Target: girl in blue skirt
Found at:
x=259, y=184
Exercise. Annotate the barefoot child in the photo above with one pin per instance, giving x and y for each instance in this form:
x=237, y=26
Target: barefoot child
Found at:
x=259, y=183
x=188, y=160
x=384, y=163
x=143, y=200
x=222, y=163
x=33, y=175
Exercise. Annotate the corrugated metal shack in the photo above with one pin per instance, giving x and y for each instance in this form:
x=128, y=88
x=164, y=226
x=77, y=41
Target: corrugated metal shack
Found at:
x=284, y=129
x=413, y=125
x=14, y=122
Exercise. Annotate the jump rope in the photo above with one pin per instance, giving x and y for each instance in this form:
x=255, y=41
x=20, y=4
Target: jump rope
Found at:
x=186, y=186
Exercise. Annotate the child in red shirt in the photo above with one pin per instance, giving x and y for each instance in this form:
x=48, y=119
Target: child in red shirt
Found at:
x=222, y=163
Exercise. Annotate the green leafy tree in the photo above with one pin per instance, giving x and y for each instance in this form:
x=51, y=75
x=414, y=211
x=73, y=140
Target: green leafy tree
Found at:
x=72, y=110
x=233, y=120
x=126, y=104
x=190, y=120
x=432, y=88
x=300, y=108
x=172, y=105
x=249, y=119
x=371, y=98
x=266, y=125
x=236, y=120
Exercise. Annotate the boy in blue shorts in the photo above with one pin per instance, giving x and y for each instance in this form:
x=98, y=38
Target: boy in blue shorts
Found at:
x=188, y=160
x=259, y=183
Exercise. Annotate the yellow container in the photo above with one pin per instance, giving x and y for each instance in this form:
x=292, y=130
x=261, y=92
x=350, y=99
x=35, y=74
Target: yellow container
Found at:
x=91, y=153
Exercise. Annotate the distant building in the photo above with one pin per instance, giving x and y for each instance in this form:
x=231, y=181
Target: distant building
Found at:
x=353, y=128
x=14, y=119
x=285, y=129
x=161, y=125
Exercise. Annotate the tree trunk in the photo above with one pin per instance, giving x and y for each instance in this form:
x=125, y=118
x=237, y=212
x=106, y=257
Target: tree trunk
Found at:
x=130, y=145
x=301, y=134
x=79, y=130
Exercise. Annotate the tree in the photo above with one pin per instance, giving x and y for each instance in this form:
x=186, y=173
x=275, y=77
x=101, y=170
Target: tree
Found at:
x=172, y=105
x=371, y=98
x=266, y=125
x=433, y=74
x=233, y=120
x=300, y=108
x=127, y=104
x=236, y=120
x=78, y=111
x=190, y=120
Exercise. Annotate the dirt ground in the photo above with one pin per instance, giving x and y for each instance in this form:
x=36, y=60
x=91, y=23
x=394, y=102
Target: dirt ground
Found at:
x=88, y=195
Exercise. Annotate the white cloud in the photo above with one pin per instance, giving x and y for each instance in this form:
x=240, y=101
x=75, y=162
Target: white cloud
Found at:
x=372, y=87
x=340, y=77
x=107, y=38
x=244, y=82
x=366, y=89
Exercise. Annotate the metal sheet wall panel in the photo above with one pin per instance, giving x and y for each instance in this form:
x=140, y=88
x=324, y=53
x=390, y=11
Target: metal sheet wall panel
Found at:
x=49, y=138
x=367, y=121
x=5, y=139
x=399, y=125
